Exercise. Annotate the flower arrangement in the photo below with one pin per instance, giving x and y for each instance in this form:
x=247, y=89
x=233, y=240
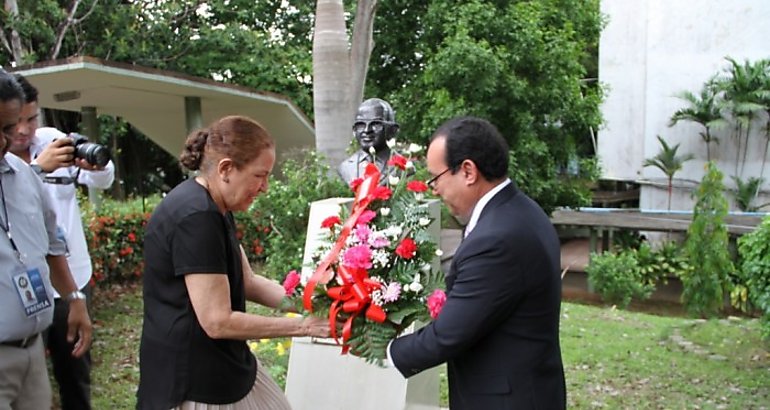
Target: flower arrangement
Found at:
x=373, y=273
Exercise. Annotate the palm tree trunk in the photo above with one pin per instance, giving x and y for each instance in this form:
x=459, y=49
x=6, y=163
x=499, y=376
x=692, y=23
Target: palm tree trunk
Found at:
x=746, y=145
x=764, y=159
x=708, y=145
x=670, y=191
x=331, y=81
x=339, y=73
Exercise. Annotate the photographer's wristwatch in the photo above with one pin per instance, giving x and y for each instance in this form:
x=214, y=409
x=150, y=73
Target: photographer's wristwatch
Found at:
x=75, y=296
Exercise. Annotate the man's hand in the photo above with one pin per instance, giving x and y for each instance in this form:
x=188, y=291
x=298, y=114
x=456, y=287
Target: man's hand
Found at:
x=79, y=328
x=85, y=165
x=59, y=153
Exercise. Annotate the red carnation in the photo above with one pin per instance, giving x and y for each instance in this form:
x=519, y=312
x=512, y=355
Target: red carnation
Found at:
x=355, y=183
x=331, y=221
x=382, y=193
x=417, y=186
x=131, y=237
x=397, y=161
x=407, y=248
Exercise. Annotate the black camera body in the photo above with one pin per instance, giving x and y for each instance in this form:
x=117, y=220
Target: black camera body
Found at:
x=91, y=152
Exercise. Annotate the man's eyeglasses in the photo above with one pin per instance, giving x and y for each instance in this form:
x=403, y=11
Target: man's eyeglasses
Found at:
x=375, y=125
x=431, y=182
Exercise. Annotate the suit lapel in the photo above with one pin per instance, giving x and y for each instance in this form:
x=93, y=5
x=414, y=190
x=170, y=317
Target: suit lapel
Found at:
x=505, y=195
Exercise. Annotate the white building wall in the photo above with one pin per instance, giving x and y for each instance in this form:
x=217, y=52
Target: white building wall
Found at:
x=650, y=51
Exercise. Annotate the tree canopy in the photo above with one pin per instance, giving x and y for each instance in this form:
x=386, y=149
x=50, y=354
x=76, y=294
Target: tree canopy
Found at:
x=528, y=67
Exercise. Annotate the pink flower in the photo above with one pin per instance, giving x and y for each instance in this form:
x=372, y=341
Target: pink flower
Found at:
x=291, y=282
x=358, y=257
x=379, y=242
x=331, y=221
x=417, y=186
x=391, y=292
x=366, y=217
x=362, y=233
x=436, y=302
x=407, y=248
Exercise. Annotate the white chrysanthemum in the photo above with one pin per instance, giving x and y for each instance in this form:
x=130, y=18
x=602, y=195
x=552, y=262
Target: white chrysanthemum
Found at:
x=414, y=148
x=372, y=151
x=424, y=221
x=415, y=287
x=391, y=143
x=393, y=180
x=385, y=211
x=409, y=164
x=439, y=252
x=393, y=231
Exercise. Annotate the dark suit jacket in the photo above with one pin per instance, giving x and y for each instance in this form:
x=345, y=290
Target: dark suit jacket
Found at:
x=499, y=329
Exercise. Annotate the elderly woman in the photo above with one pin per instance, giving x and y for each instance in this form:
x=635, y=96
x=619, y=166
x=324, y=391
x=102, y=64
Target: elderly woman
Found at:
x=197, y=279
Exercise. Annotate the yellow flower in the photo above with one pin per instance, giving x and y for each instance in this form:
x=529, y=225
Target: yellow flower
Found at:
x=292, y=314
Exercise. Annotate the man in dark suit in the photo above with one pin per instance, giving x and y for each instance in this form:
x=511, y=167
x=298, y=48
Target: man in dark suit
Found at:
x=498, y=331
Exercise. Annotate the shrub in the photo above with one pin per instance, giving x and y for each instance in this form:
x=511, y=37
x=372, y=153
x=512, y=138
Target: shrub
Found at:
x=115, y=236
x=617, y=278
x=657, y=265
x=754, y=251
x=706, y=285
x=282, y=212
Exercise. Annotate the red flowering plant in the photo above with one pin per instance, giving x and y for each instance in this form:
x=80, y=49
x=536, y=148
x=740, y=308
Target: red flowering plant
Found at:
x=373, y=272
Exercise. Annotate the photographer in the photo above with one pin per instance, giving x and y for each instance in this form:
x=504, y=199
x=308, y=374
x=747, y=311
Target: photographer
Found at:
x=52, y=154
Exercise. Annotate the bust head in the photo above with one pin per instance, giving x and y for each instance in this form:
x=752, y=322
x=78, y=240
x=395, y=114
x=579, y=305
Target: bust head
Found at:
x=375, y=124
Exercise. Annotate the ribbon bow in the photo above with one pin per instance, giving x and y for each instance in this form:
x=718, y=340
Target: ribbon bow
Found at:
x=354, y=297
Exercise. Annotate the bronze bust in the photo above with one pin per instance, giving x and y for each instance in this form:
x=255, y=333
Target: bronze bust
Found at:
x=375, y=124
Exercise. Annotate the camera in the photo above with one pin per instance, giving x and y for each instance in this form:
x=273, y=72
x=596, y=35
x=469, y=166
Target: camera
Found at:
x=91, y=152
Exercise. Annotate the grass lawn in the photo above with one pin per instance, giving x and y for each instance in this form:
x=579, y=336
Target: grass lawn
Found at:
x=613, y=359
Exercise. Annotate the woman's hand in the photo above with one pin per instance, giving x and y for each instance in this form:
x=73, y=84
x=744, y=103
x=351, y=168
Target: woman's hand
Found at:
x=316, y=326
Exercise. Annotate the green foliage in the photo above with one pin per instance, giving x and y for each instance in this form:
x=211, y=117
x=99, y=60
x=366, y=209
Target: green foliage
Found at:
x=754, y=251
x=658, y=265
x=746, y=191
x=522, y=65
x=617, y=277
x=707, y=284
x=668, y=162
x=703, y=109
x=283, y=210
x=551, y=189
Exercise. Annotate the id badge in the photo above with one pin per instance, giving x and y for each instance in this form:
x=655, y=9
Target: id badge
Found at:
x=31, y=289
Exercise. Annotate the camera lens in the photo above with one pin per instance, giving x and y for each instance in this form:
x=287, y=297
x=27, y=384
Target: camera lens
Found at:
x=94, y=154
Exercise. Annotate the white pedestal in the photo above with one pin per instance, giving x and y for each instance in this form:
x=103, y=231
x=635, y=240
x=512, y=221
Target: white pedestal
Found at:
x=320, y=378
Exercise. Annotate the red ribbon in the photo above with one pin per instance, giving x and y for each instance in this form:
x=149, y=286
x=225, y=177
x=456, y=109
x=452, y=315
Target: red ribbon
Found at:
x=353, y=297
x=353, y=294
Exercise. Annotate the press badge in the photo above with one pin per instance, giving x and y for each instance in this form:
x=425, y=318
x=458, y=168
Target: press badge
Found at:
x=31, y=288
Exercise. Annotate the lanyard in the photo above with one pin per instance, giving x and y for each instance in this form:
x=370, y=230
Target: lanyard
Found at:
x=6, y=223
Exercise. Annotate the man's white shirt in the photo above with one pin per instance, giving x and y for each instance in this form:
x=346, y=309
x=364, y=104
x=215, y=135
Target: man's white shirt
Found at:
x=65, y=204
